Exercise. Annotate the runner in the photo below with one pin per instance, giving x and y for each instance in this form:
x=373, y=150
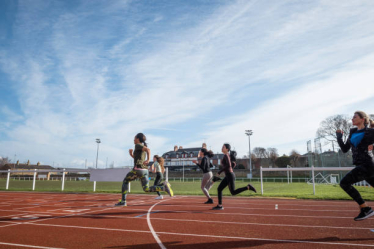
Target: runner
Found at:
x=140, y=170
x=359, y=139
x=158, y=168
x=228, y=163
x=207, y=181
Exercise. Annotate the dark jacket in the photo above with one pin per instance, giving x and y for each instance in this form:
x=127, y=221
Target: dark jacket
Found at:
x=360, y=154
x=227, y=165
x=204, y=165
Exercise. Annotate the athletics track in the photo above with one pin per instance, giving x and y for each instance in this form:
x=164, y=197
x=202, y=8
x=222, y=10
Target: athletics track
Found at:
x=54, y=220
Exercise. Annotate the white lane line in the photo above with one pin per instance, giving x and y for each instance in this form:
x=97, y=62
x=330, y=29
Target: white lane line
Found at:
x=273, y=240
x=210, y=236
x=231, y=222
x=235, y=204
x=57, y=217
x=279, y=208
x=29, y=246
x=219, y=213
x=151, y=227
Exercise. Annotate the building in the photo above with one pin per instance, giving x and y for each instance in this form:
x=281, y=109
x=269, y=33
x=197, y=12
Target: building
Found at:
x=28, y=169
x=183, y=157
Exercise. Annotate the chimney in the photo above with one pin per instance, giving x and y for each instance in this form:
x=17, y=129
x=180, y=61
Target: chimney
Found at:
x=175, y=147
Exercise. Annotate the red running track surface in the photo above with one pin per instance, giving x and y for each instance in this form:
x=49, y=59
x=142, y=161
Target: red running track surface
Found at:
x=54, y=220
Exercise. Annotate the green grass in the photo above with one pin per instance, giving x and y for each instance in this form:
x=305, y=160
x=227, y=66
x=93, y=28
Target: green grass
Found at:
x=271, y=189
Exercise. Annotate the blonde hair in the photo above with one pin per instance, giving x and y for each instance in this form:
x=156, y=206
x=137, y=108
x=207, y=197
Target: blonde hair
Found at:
x=160, y=160
x=371, y=123
x=364, y=116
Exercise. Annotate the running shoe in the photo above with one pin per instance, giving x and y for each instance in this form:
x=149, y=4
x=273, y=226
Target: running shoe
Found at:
x=218, y=208
x=210, y=201
x=250, y=187
x=168, y=189
x=365, y=213
x=121, y=203
x=160, y=197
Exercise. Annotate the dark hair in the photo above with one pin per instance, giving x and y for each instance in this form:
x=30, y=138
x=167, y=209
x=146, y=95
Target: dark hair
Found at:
x=141, y=138
x=232, y=152
x=208, y=153
x=228, y=146
x=233, y=155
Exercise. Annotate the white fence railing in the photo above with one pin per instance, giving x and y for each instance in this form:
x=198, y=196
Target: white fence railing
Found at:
x=36, y=171
x=312, y=169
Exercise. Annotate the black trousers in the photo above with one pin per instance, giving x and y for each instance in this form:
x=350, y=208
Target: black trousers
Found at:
x=158, y=180
x=229, y=180
x=358, y=174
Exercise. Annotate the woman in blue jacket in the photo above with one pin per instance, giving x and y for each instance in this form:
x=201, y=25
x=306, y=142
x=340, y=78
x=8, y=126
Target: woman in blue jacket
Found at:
x=359, y=140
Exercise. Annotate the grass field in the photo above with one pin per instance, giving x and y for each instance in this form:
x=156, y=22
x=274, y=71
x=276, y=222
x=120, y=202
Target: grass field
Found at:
x=271, y=189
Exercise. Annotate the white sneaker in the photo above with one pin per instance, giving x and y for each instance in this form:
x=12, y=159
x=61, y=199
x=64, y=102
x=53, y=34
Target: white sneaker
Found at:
x=159, y=197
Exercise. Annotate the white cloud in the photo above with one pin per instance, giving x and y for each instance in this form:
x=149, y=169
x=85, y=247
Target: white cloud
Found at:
x=101, y=73
x=292, y=119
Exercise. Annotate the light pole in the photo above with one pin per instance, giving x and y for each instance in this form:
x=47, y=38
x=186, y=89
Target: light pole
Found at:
x=97, y=155
x=14, y=161
x=249, y=133
x=183, y=156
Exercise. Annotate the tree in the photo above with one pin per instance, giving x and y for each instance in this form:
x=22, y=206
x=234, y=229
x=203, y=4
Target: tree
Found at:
x=328, y=127
x=272, y=154
x=283, y=161
x=241, y=166
x=260, y=152
x=4, y=160
x=294, y=156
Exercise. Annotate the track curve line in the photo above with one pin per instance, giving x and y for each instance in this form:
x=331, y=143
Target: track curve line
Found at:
x=151, y=227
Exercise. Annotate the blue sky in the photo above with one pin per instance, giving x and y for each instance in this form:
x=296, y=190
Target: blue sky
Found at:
x=182, y=72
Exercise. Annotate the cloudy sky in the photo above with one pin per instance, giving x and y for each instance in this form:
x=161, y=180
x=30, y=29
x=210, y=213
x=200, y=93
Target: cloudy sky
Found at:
x=182, y=72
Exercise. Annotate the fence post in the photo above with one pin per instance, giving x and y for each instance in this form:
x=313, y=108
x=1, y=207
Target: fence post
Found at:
x=7, y=179
x=33, y=182
x=314, y=185
x=129, y=187
x=291, y=175
x=167, y=174
x=262, y=185
x=94, y=186
x=63, y=180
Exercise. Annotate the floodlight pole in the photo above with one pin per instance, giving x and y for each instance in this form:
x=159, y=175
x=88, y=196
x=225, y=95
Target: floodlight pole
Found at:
x=249, y=133
x=97, y=155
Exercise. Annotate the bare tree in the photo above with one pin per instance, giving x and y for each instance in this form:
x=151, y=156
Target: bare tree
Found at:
x=328, y=127
x=294, y=156
x=272, y=155
x=260, y=152
x=4, y=160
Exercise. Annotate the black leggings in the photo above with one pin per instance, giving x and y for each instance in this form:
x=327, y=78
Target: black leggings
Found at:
x=158, y=180
x=358, y=174
x=230, y=181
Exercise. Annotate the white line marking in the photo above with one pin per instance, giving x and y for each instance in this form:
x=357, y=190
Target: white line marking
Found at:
x=231, y=222
x=280, y=209
x=209, y=236
x=11, y=244
x=260, y=239
x=151, y=227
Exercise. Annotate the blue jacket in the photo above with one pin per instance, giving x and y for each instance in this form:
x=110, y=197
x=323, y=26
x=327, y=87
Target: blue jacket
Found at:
x=360, y=154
